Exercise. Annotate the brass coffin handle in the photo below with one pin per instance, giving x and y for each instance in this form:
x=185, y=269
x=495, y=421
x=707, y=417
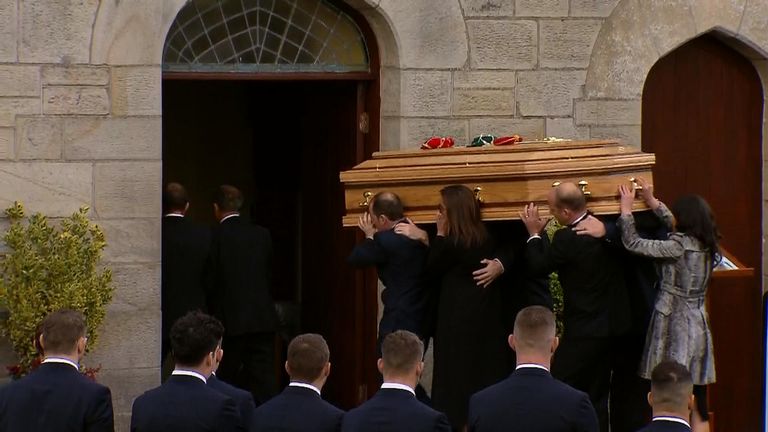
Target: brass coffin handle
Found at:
x=583, y=186
x=555, y=184
x=367, y=195
x=635, y=185
x=477, y=191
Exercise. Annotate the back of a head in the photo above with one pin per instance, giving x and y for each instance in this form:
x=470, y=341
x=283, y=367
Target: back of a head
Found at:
x=401, y=352
x=387, y=204
x=308, y=354
x=174, y=198
x=694, y=217
x=671, y=387
x=194, y=336
x=569, y=196
x=534, y=331
x=462, y=210
x=61, y=330
x=228, y=199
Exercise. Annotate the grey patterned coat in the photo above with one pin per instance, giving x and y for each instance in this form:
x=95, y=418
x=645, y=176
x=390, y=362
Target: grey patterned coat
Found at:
x=679, y=328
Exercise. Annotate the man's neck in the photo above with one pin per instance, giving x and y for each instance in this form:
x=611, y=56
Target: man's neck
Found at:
x=682, y=415
x=400, y=380
x=318, y=384
x=69, y=357
x=534, y=359
x=578, y=216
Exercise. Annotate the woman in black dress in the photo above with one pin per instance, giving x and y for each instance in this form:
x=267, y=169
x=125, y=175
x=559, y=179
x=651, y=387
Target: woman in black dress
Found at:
x=471, y=350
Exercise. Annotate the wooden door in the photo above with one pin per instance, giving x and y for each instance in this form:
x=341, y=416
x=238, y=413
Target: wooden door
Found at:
x=702, y=117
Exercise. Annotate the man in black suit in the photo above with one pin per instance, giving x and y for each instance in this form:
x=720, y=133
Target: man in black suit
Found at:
x=596, y=313
x=240, y=266
x=56, y=396
x=394, y=407
x=185, y=248
x=243, y=399
x=671, y=398
x=300, y=408
x=184, y=402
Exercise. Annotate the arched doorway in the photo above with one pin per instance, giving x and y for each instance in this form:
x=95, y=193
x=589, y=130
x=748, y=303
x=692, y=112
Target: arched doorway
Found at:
x=702, y=117
x=276, y=97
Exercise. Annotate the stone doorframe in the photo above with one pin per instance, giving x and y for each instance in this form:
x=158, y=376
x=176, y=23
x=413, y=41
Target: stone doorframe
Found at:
x=640, y=32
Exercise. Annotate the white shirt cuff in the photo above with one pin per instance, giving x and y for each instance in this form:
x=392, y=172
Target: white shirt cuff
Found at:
x=500, y=263
x=535, y=236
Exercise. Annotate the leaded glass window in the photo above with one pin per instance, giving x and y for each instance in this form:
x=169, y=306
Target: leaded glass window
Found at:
x=264, y=36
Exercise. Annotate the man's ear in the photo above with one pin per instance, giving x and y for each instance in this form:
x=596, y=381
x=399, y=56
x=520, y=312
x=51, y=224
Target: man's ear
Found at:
x=219, y=355
x=380, y=365
x=41, y=342
x=511, y=341
x=327, y=370
x=650, y=399
x=186, y=208
x=555, y=344
x=419, y=369
x=691, y=403
x=287, y=369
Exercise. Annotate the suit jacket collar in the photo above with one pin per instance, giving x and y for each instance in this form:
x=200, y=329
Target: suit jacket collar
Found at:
x=394, y=393
x=532, y=372
x=185, y=380
x=579, y=219
x=301, y=391
x=233, y=218
x=56, y=368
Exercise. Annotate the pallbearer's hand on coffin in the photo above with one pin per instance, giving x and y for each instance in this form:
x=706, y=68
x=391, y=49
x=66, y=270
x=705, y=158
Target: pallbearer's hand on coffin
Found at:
x=627, y=194
x=533, y=222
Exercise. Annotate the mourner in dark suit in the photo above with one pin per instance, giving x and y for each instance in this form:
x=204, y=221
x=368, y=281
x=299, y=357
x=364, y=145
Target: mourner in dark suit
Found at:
x=240, y=269
x=671, y=398
x=531, y=399
x=394, y=408
x=184, y=402
x=300, y=408
x=243, y=399
x=185, y=248
x=56, y=396
x=596, y=312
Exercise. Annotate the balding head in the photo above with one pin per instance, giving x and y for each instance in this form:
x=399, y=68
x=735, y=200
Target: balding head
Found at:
x=175, y=198
x=566, y=202
x=535, y=336
x=385, y=209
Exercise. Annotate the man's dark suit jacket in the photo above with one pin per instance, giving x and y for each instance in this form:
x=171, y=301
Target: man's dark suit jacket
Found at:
x=241, y=264
x=184, y=403
x=55, y=397
x=531, y=400
x=244, y=400
x=394, y=410
x=298, y=409
x=594, y=293
x=185, y=253
x=665, y=426
x=400, y=263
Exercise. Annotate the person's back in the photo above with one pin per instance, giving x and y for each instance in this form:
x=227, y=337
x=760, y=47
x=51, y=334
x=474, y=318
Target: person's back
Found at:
x=56, y=396
x=300, y=407
x=243, y=399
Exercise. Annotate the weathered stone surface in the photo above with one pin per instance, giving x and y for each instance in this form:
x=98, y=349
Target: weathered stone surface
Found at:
x=10, y=107
x=548, y=93
x=75, y=100
x=390, y=91
x=565, y=128
x=567, y=43
x=483, y=102
x=484, y=79
x=75, y=75
x=416, y=131
x=429, y=36
x=137, y=286
x=622, y=56
x=503, y=44
x=136, y=91
x=126, y=384
x=390, y=133
x=39, y=137
x=7, y=145
x=128, y=189
x=478, y=8
x=8, y=30
x=122, y=333
x=629, y=135
x=541, y=8
x=726, y=14
x=590, y=8
x=599, y=112
x=426, y=93
x=754, y=23
x=529, y=129
x=133, y=32
x=56, y=31
x=55, y=189
x=17, y=80
x=112, y=138
x=670, y=22
x=132, y=240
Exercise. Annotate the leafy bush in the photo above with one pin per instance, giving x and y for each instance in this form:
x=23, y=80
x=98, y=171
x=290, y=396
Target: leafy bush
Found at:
x=554, y=283
x=48, y=268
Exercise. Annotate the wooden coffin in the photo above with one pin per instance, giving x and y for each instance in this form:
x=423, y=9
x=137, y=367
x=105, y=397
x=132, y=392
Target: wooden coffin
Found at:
x=504, y=178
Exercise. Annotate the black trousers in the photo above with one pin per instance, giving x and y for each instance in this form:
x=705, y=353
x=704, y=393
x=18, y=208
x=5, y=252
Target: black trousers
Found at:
x=249, y=363
x=629, y=406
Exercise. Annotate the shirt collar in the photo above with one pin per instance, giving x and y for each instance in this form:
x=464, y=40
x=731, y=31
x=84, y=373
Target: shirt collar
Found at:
x=672, y=419
x=579, y=219
x=62, y=361
x=304, y=385
x=397, y=386
x=174, y=215
x=530, y=366
x=229, y=217
x=195, y=374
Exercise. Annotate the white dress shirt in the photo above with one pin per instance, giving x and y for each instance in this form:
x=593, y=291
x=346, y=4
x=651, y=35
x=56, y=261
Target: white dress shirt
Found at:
x=304, y=385
x=62, y=361
x=397, y=386
x=195, y=374
x=229, y=217
x=174, y=215
x=672, y=419
x=530, y=366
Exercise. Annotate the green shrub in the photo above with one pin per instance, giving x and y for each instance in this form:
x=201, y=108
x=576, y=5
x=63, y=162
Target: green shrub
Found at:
x=48, y=268
x=554, y=283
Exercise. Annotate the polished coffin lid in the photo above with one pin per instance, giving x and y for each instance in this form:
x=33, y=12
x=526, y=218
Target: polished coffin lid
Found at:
x=504, y=178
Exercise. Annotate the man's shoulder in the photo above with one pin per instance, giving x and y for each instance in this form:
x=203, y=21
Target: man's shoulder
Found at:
x=229, y=390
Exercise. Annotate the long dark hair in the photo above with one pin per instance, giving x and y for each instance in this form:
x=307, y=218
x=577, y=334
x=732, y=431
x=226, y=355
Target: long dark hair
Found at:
x=462, y=211
x=694, y=217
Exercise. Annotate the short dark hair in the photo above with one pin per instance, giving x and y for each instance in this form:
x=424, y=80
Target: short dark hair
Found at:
x=61, y=330
x=194, y=336
x=387, y=204
x=671, y=386
x=534, y=328
x=174, y=197
x=401, y=351
x=569, y=196
x=228, y=198
x=307, y=356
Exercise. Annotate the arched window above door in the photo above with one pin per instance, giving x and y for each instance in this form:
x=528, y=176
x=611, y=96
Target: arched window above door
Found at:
x=264, y=36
